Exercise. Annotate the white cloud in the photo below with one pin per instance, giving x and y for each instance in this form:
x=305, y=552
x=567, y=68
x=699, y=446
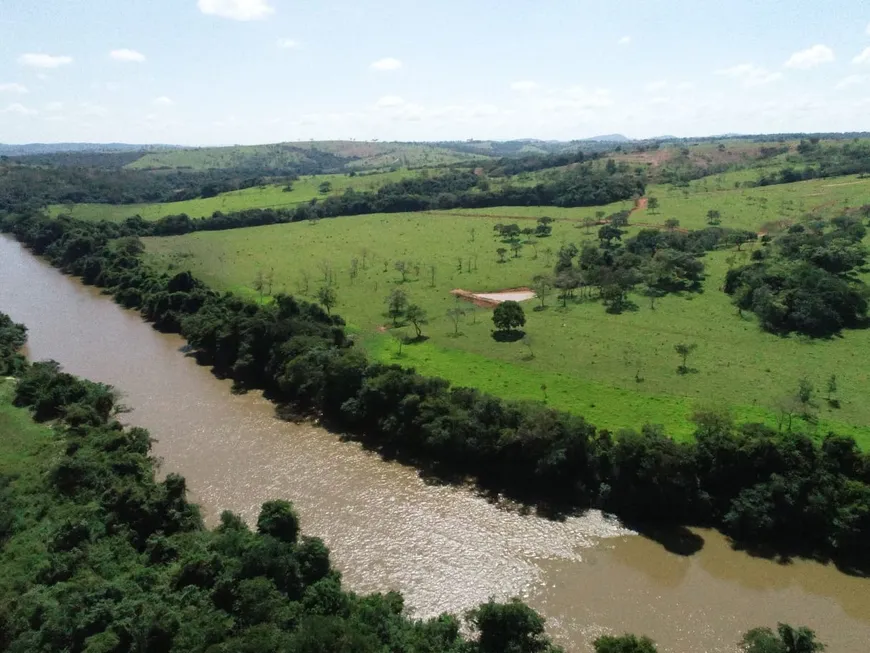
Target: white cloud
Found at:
x=163, y=101
x=524, y=86
x=750, y=74
x=657, y=85
x=288, y=44
x=810, y=58
x=20, y=89
x=127, y=56
x=389, y=101
x=868, y=28
x=93, y=110
x=625, y=40
x=20, y=110
x=851, y=80
x=40, y=60
x=54, y=106
x=386, y=64
x=862, y=58
x=237, y=9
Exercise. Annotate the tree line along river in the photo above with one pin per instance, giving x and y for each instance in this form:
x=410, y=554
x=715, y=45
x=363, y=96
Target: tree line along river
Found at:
x=445, y=548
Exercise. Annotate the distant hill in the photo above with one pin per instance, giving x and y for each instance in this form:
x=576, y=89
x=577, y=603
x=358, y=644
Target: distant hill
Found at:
x=609, y=138
x=330, y=155
x=54, y=148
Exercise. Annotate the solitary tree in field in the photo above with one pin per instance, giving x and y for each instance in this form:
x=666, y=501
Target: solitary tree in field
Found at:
x=684, y=351
x=508, y=316
x=832, y=391
x=619, y=219
x=516, y=246
x=327, y=297
x=501, y=251
x=354, y=269
x=432, y=271
x=714, y=217
x=397, y=303
x=259, y=283
x=652, y=204
x=402, y=268
x=325, y=188
x=529, y=343
x=542, y=284
x=671, y=224
x=455, y=314
x=417, y=316
x=304, y=282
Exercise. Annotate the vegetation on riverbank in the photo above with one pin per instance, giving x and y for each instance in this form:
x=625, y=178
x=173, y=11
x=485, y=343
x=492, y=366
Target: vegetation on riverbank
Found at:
x=99, y=556
x=757, y=484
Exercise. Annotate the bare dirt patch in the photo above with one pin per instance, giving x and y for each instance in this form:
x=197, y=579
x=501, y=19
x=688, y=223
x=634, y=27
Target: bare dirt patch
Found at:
x=493, y=299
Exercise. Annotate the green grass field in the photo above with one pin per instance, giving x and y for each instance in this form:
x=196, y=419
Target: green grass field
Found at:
x=588, y=360
x=21, y=440
x=260, y=197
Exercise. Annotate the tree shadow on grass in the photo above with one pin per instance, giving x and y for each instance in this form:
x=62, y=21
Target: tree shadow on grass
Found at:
x=416, y=340
x=512, y=335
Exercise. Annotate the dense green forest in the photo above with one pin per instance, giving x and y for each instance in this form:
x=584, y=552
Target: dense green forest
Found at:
x=761, y=486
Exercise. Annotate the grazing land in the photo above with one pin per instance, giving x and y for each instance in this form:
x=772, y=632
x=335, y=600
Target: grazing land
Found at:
x=619, y=371
x=272, y=196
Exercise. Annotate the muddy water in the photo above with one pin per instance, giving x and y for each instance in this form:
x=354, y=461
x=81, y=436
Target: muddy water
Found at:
x=445, y=548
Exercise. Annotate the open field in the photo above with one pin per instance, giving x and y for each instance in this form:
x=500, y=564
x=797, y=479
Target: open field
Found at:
x=21, y=439
x=617, y=370
x=358, y=154
x=259, y=197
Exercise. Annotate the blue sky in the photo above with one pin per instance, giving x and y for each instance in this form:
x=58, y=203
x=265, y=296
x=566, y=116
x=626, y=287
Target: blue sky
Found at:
x=259, y=71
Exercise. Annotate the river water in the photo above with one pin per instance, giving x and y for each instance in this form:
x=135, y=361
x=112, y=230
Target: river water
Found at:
x=445, y=548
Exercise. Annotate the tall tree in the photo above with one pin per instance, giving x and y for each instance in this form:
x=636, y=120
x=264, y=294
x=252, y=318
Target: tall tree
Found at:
x=508, y=316
x=417, y=316
x=397, y=303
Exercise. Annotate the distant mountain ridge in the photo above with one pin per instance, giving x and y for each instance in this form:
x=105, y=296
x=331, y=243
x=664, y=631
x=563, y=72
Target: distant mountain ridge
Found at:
x=54, y=148
x=609, y=138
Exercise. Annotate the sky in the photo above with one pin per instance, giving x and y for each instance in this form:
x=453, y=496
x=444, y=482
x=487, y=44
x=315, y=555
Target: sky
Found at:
x=220, y=72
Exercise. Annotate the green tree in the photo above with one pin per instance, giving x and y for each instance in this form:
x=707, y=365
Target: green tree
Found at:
x=509, y=628
x=786, y=639
x=624, y=644
x=325, y=188
x=714, y=217
x=402, y=268
x=279, y=519
x=684, y=350
x=417, y=316
x=508, y=316
x=501, y=251
x=652, y=204
x=672, y=224
x=516, y=247
x=542, y=284
x=455, y=314
x=327, y=297
x=397, y=303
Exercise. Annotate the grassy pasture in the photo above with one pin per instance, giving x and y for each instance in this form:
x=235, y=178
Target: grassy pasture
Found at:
x=618, y=370
x=259, y=197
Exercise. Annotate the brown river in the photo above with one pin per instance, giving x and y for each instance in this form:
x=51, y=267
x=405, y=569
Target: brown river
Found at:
x=445, y=548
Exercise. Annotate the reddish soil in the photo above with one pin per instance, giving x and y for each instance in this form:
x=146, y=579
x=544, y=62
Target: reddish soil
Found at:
x=483, y=302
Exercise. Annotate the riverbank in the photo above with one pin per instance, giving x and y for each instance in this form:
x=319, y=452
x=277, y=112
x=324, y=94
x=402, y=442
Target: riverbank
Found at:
x=765, y=488
x=381, y=518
